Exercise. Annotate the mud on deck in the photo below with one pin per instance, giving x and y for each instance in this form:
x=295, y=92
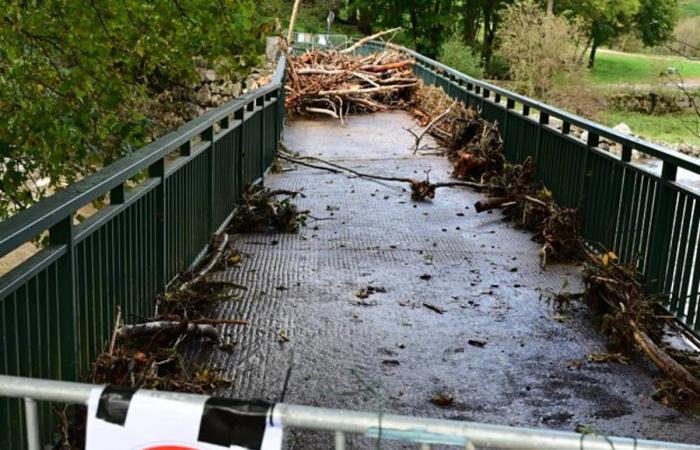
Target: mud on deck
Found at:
x=481, y=271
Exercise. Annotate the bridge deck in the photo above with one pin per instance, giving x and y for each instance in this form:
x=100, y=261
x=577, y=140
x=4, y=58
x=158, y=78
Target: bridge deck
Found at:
x=479, y=270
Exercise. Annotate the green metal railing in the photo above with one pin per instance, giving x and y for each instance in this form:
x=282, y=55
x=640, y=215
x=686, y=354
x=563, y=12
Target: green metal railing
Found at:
x=645, y=218
x=165, y=200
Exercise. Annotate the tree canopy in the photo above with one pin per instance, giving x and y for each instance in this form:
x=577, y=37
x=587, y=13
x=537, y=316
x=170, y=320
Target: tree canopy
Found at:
x=74, y=75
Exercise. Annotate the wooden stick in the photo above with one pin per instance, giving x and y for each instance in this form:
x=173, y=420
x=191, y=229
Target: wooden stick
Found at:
x=368, y=90
x=219, y=321
x=117, y=325
x=212, y=262
x=150, y=328
x=366, y=39
x=292, y=21
x=327, y=112
x=432, y=123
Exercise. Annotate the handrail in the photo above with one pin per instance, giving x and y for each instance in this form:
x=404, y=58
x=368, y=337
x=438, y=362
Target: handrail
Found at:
x=666, y=154
x=391, y=426
x=46, y=213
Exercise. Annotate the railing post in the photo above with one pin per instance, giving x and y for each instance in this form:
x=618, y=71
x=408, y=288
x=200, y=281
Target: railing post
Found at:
x=31, y=415
x=592, y=142
x=543, y=120
x=157, y=170
x=661, y=225
x=208, y=135
x=240, y=115
x=260, y=102
x=69, y=348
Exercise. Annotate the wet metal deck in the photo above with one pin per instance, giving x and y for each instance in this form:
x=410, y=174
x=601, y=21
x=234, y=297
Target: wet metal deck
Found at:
x=482, y=272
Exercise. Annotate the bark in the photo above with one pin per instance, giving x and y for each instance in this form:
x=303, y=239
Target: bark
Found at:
x=591, y=59
x=364, y=21
x=550, y=7
x=663, y=361
x=471, y=24
x=489, y=30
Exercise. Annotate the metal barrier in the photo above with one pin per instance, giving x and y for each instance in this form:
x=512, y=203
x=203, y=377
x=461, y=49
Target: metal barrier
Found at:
x=310, y=41
x=426, y=432
x=645, y=218
x=164, y=202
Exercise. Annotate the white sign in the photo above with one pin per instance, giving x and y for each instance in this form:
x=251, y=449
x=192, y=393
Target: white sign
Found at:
x=120, y=419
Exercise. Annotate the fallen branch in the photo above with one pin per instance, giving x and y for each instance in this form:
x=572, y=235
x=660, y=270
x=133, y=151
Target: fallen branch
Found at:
x=372, y=90
x=675, y=371
x=367, y=39
x=170, y=327
x=427, y=129
x=213, y=261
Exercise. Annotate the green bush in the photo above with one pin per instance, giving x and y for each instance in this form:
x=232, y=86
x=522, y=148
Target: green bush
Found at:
x=461, y=57
x=498, y=68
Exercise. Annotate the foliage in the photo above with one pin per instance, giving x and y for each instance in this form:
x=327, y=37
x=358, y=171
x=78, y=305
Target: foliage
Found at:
x=456, y=54
x=539, y=46
x=427, y=22
x=74, y=75
x=653, y=20
x=498, y=67
x=656, y=20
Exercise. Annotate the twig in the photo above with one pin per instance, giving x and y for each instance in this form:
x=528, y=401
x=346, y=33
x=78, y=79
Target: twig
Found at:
x=210, y=265
x=432, y=123
x=117, y=325
x=367, y=90
x=322, y=111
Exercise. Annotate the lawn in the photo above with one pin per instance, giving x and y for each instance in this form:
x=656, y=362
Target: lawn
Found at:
x=630, y=68
x=672, y=128
x=689, y=8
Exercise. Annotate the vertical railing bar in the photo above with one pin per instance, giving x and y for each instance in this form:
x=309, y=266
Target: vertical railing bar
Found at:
x=339, y=440
x=157, y=170
x=62, y=234
x=32, y=423
x=260, y=101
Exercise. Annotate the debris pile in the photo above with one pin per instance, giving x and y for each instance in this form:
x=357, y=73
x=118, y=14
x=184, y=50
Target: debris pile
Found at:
x=337, y=83
x=615, y=293
x=150, y=353
x=451, y=120
x=263, y=209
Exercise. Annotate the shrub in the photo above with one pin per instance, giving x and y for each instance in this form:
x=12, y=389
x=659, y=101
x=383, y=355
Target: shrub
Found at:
x=461, y=57
x=498, y=67
x=539, y=47
x=687, y=35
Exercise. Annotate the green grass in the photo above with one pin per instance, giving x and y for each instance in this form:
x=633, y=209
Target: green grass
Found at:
x=689, y=8
x=612, y=68
x=668, y=128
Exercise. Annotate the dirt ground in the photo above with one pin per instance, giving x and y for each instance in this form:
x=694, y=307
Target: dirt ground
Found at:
x=462, y=313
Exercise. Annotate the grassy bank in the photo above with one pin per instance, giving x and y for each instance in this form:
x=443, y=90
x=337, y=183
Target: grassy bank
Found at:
x=632, y=68
x=672, y=128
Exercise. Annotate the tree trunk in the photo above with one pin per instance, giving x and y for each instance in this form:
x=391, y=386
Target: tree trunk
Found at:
x=364, y=21
x=550, y=7
x=489, y=31
x=591, y=59
x=471, y=24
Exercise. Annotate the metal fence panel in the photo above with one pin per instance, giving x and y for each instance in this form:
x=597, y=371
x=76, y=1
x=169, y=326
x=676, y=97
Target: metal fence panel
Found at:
x=647, y=219
x=57, y=309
